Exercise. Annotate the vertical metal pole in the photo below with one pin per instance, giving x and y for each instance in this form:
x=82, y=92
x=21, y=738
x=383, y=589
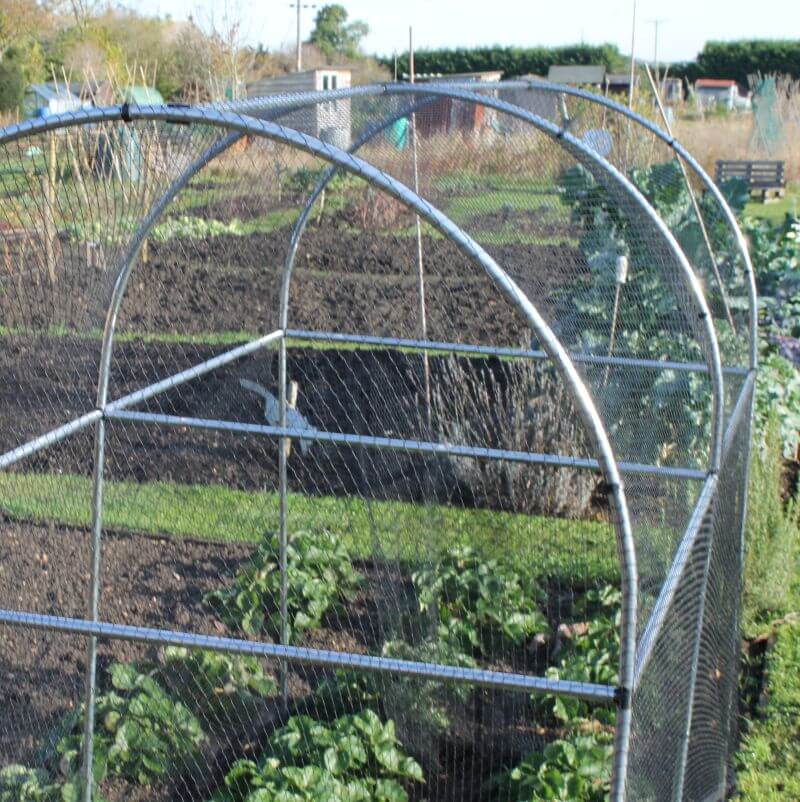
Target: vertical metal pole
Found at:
x=299, y=54
x=633, y=58
x=94, y=606
x=283, y=532
x=687, y=730
x=423, y=316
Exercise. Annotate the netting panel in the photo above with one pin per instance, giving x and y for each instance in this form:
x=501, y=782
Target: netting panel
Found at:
x=444, y=509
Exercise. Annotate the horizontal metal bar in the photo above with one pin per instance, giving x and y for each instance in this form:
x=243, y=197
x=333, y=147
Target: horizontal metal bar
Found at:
x=398, y=444
x=655, y=622
x=194, y=372
x=742, y=408
x=320, y=657
x=487, y=350
x=49, y=439
x=666, y=595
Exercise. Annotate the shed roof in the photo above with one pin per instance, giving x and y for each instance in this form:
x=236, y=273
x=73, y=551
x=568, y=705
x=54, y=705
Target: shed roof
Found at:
x=713, y=83
x=52, y=92
x=577, y=73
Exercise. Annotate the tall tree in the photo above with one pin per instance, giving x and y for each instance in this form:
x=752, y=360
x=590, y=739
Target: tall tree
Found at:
x=334, y=34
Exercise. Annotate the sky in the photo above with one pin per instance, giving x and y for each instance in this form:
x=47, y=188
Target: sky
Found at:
x=685, y=24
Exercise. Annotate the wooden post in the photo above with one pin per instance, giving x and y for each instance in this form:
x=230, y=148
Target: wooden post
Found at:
x=49, y=195
x=48, y=231
x=291, y=403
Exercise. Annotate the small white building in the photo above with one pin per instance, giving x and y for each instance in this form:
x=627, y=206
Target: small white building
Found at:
x=330, y=121
x=44, y=100
x=720, y=93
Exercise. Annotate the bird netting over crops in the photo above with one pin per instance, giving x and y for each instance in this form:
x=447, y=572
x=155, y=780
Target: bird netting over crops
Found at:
x=379, y=444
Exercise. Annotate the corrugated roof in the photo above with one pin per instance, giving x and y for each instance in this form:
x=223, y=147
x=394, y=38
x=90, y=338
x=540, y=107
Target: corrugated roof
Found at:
x=713, y=83
x=577, y=74
x=50, y=92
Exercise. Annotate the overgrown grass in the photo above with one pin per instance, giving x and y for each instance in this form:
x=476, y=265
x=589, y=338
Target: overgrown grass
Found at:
x=559, y=548
x=769, y=757
x=772, y=535
x=769, y=760
x=775, y=211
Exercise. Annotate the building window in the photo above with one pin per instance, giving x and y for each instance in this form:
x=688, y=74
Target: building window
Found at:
x=334, y=81
x=325, y=83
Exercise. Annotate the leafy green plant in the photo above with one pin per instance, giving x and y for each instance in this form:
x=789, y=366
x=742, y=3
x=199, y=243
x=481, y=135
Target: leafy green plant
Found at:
x=355, y=757
x=591, y=654
x=674, y=406
x=189, y=227
x=479, y=604
x=778, y=395
x=217, y=687
x=320, y=577
x=23, y=784
x=141, y=733
x=577, y=769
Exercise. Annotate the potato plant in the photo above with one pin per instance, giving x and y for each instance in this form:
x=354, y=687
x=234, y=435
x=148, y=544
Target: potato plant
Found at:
x=480, y=605
x=591, y=654
x=320, y=578
x=141, y=732
x=218, y=688
x=356, y=758
x=573, y=769
x=23, y=784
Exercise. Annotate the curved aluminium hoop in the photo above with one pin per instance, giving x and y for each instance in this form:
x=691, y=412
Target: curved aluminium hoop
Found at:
x=555, y=350
x=582, y=153
x=287, y=103
x=702, y=175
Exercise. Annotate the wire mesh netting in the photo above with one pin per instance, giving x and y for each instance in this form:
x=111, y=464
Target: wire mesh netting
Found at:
x=409, y=472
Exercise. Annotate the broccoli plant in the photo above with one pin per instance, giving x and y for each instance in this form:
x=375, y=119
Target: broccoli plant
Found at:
x=141, y=733
x=320, y=577
x=651, y=323
x=480, y=605
x=354, y=757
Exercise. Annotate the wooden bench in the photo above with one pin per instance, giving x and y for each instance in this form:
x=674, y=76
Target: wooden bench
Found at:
x=761, y=176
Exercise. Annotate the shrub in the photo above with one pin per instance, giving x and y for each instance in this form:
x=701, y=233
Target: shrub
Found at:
x=12, y=85
x=320, y=576
x=517, y=406
x=352, y=758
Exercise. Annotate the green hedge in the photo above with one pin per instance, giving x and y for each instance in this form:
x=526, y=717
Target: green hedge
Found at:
x=737, y=60
x=513, y=61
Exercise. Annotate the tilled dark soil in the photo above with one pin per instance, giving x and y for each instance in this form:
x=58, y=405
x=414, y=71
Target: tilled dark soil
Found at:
x=160, y=582
x=362, y=392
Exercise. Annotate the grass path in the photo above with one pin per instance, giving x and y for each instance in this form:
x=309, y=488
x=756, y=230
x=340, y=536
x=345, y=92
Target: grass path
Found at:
x=560, y=548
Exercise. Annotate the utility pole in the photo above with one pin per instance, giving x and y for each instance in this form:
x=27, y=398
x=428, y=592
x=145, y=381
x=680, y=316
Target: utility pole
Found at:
x=655, y=23
x=299, y=56
x=633, y=56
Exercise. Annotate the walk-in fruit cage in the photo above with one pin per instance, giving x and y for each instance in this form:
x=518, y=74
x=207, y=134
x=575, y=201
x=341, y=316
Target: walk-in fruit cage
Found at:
x=388, y=443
